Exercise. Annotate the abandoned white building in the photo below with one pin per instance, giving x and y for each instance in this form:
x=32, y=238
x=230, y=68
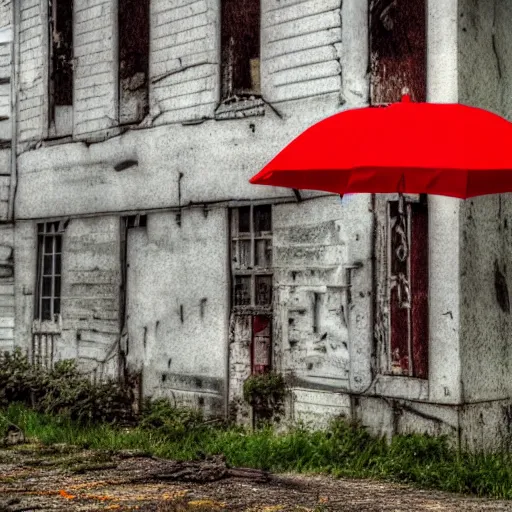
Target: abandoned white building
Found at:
x=132, y=239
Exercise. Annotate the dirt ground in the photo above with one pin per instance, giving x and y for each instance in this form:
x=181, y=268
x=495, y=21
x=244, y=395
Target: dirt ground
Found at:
x=64, y=478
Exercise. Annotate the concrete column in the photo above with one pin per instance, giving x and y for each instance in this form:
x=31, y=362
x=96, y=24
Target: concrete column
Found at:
x=444, y=265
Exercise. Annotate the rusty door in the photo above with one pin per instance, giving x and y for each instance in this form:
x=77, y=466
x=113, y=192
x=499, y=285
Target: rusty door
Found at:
x=398, y=64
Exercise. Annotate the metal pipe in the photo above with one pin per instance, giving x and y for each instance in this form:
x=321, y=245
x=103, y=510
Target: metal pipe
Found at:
x=229, y=298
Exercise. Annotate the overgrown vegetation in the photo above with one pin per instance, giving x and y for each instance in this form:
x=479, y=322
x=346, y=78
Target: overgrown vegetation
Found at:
x=343, y=449
x=265, y=393
x=62, y=391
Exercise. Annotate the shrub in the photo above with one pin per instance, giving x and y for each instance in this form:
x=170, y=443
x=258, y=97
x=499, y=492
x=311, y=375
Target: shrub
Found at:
x=171, y=421
x=266, y=394
x=62, y=390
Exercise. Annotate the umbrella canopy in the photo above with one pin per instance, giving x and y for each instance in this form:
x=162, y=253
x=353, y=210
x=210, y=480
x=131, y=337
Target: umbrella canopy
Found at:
x=416, y=148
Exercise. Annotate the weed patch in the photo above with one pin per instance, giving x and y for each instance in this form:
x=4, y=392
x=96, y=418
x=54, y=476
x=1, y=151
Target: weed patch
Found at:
x=63, y=414
x=344, y=450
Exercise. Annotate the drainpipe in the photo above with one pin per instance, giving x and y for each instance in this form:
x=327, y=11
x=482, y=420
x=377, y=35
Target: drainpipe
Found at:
x=14, y=108
x=227, y=220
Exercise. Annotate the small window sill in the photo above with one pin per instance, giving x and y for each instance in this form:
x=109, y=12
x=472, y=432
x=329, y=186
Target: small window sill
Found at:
x=47, y=326
x=252, y=310
x=240, y=107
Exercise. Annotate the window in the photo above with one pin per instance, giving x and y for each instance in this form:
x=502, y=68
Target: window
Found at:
x=398, y=49
x=61, y=65
x=133, y=60
x=398, y=37
x=49, y=270
x=251, y=257
x=240, y=41
x=408, y=287
x=251, y=246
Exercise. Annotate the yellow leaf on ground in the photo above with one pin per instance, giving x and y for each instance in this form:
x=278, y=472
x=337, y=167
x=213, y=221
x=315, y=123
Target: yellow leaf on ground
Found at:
x=66, y=495
x=206, y=503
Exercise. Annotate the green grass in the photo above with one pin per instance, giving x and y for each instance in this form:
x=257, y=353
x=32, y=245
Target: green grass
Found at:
x=342, y=451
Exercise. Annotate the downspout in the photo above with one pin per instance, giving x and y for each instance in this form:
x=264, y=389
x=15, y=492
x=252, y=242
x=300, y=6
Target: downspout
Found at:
x=14, y=109
x=227, y=346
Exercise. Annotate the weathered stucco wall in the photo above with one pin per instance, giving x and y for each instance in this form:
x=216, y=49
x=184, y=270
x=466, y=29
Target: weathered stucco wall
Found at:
x=32, y=86
x=485, y=77
x=324, y=326
x=178, y=307
x=322, y=336
x=85, y=175
x=6, y=34
x=314, y=243
x=175, y=336
x=25, y=253
x=90, y=293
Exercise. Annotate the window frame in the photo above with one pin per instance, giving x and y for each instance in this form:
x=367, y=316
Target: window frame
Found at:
x=229, y=90
x=414, y=345
x=252, y=270
x=142, y=63
x=52, y=230
x=59, y=115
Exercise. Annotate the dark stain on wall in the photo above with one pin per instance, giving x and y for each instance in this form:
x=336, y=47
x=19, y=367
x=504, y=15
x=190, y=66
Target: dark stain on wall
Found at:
x=501, y=287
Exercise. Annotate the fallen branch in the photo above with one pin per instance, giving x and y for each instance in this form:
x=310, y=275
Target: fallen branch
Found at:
x=208, y=470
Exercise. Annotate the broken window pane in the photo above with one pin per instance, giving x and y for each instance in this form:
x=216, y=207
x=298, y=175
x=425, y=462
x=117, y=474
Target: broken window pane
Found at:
x=245, y=254
x=242, y=291
x=263, y=253
x=263, y=290
x=240, y=42
x=133, y=60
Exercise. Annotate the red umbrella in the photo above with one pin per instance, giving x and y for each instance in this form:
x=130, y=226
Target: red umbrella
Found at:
x=416, y=148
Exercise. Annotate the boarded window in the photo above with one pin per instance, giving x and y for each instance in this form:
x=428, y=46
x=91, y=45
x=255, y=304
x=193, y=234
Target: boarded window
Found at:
x=251, y=264
x=133, y=60
x=398, y=49
x=408, y=291
x=62, y=51
x=61, y=67
x=49, y=271
x=240, y=41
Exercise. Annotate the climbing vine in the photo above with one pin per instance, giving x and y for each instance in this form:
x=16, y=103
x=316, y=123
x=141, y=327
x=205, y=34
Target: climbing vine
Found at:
x=266, y=394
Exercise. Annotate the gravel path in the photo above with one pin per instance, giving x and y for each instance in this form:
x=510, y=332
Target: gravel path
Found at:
x=68, y=479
